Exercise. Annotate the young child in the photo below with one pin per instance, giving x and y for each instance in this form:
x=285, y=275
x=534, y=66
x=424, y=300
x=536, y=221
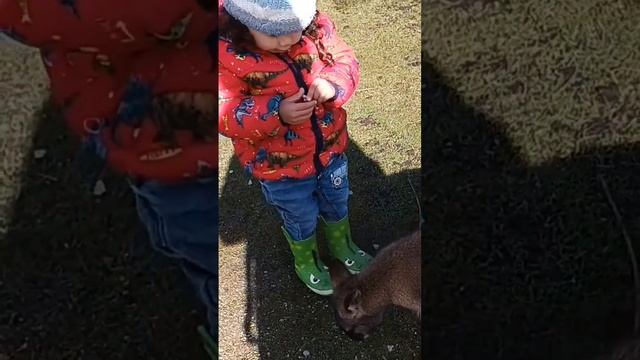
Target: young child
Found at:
x=283, y=77
x=136, y=82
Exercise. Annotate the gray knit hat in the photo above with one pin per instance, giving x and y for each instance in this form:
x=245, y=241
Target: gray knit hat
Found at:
x=273, y=17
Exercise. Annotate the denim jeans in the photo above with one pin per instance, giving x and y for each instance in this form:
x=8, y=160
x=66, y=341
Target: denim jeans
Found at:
x=182, y=223
x=300, y=201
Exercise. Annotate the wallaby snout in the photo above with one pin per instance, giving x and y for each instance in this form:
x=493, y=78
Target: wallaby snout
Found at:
x=352, y=317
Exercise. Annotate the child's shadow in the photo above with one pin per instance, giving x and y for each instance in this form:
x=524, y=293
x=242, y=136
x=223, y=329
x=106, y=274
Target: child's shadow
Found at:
x=283, y=318
x=523, y=262
x=77, y=276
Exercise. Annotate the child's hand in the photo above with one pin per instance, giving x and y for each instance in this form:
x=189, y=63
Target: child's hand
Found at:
x=321, y=90
x=294, y=112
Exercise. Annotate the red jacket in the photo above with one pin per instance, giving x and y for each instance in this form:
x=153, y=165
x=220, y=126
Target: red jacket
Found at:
x=107, y=58
x=251, y=86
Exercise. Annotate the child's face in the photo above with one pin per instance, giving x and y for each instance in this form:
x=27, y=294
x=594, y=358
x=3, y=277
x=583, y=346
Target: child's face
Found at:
x=275, y=44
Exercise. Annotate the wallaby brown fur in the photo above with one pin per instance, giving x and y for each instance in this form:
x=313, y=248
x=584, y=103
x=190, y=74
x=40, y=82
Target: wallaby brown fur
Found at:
x=392, y=278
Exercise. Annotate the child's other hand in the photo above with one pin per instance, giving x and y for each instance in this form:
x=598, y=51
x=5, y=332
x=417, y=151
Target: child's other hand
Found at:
x=321, y=90
x=294, y=112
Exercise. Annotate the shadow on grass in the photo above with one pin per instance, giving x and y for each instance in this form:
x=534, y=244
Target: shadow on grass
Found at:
x=77, y=275
x=523, y=262
x=288, y=318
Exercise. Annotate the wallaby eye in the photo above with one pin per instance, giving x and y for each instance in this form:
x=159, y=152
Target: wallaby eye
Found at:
x=347, y=307
x=352, y=302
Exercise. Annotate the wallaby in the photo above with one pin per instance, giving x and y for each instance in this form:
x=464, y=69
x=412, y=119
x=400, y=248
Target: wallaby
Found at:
x=392, y=278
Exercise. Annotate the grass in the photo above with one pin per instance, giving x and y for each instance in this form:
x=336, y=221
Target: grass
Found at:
x=20, y=99
x=525, y=106
x=561, y=78
x=266, y=312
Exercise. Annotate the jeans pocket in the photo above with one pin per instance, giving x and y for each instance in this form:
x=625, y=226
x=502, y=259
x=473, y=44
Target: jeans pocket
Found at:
x=338, y=174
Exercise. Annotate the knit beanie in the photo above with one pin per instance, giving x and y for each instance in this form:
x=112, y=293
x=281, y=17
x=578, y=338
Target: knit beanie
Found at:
x=273, y=17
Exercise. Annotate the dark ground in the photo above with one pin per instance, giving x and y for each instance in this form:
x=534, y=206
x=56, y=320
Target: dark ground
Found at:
x=522, y=262
x=77, y=279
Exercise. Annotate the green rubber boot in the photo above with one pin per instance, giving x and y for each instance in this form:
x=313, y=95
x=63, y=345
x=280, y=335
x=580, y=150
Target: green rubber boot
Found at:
x=343, y=248
x=209, y=345
x=309, y=268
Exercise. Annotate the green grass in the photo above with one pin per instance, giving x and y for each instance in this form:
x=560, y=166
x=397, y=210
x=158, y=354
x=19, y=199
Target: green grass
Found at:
x=265, y=310
x=526, y=105
x=562, y=78
x=20, y=99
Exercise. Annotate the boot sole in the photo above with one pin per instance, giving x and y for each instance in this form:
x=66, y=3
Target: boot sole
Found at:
x=321, y=292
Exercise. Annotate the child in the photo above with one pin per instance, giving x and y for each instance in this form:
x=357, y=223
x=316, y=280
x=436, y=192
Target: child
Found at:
x=135, y=81
x=284, y=75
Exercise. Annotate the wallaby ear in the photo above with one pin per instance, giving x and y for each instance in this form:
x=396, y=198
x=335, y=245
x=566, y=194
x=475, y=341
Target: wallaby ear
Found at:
x=339, y=273
x=352, y=300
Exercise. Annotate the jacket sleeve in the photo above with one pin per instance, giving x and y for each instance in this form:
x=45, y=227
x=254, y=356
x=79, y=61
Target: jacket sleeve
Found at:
x=14, y=21
x=344, y=71
x=243, y=116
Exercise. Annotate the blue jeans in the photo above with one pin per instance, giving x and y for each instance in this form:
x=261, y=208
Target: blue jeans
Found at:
x=182, y=223
x=299, y=202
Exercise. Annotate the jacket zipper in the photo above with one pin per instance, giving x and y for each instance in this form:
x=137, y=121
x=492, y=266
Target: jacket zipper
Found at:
x=314, y=120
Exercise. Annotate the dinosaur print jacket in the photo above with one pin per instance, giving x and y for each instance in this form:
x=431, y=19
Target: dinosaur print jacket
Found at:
x=107, y=59
x=251, y=86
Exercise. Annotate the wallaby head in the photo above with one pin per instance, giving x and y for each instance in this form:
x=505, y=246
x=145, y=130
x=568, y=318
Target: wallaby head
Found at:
x=392, y=278
x=357, y=321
